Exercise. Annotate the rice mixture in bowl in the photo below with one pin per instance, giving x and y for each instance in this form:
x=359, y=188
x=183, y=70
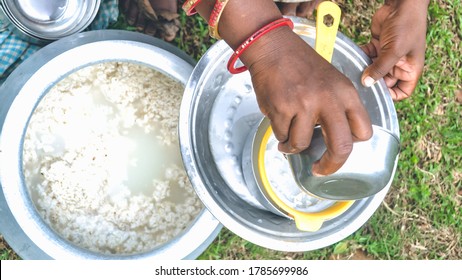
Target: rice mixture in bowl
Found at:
x=102, y=161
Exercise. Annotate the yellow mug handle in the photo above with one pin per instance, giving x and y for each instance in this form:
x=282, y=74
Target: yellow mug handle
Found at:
x=326, y=34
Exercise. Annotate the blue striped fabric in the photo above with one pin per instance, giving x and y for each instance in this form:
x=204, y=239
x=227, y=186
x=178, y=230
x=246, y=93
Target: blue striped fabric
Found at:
x=13, y=50
x=107, y=14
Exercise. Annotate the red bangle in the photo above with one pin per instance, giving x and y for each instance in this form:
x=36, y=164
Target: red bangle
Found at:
x=215, y=18
x=189, y=6
x=254, y=37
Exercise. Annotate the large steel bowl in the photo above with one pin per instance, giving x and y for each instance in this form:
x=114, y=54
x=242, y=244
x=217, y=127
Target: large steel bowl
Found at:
x=218, y=112
x=20, y=223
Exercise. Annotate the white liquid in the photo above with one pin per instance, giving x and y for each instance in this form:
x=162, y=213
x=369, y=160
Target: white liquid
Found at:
x=139, y=158
x=102, y=160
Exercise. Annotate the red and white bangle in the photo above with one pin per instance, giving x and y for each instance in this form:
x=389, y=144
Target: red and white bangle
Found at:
x=254, y=37
x=189, y=6
x=215, y=18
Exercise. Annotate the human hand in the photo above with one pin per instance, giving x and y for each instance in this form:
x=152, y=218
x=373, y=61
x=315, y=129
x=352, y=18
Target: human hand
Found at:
x=397, y=47
x=297, y=89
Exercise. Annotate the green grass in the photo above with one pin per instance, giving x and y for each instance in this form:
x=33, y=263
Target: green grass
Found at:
x=193, y=38
x=421, y=216
x=6, y=253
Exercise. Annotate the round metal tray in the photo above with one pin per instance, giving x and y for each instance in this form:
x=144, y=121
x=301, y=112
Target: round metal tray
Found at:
x=218, y=112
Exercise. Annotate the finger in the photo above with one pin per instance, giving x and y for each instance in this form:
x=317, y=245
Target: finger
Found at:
x=289, y=9
x=382, y=65
x=150, y=28
x=300, y=134
x=339, y=143
x=359, y=122
x=390, y=80
x=140, y=22
x=132, y=12
x=402, y=90
x=402, y=81
x=280, y=125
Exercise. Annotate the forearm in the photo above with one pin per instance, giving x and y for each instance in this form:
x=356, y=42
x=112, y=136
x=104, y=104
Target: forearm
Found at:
x=414, y=3
x=241, y=18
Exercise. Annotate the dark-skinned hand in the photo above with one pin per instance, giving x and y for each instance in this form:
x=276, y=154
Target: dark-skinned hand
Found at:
x=297, y=92
x=397, y=47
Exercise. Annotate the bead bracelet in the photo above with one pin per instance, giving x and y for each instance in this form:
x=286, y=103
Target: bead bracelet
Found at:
x=254, y=37
x=215, y=18
x=189, y=6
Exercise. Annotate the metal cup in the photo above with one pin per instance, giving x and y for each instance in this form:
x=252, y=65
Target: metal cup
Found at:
x=368, y=169
x=276, y=189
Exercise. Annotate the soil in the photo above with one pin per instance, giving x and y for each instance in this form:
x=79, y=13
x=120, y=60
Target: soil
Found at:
x=358, y=254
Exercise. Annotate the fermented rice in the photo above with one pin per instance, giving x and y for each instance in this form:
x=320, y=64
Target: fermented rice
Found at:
x=77, y=146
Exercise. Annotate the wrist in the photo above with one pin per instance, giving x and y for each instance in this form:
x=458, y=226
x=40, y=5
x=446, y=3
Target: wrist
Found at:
x=281, y=22
x=271, y=47
x=241, y=18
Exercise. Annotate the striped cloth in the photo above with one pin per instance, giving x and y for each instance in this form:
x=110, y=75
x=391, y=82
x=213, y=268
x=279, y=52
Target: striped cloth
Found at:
x=14, y=50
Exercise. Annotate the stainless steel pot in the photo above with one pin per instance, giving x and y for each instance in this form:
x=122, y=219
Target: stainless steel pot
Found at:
x=219, y=111
x=20, y=223
x=43, y=21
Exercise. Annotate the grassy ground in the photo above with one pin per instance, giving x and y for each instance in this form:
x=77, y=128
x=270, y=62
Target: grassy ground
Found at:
x=421, y=217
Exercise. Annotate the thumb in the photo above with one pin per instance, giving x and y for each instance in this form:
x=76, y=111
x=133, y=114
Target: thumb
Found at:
x=381, y=66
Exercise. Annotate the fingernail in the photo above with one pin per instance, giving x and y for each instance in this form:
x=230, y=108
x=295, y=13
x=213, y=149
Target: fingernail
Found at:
x=314, y=169
x=368, y=81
